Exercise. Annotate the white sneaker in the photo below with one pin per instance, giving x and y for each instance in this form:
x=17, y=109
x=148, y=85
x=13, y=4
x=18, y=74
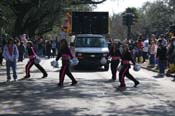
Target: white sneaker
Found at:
x=173, y=79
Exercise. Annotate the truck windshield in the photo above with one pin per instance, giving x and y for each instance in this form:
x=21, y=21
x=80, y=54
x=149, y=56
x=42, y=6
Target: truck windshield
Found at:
x=90, y=42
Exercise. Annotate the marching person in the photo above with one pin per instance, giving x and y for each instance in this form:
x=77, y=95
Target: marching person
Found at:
x=11, y=54
x=66, y=55
x=32, y=56
x=126, y=58
x=115, y=59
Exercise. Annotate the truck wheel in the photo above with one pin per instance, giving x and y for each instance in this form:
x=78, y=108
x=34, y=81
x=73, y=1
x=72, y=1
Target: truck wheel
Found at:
x=106, y=67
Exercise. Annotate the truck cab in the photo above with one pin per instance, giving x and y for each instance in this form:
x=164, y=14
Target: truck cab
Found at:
x=91, y=50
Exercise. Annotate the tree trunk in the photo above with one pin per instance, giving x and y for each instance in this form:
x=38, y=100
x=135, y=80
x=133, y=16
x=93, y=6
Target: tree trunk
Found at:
x=18, y=26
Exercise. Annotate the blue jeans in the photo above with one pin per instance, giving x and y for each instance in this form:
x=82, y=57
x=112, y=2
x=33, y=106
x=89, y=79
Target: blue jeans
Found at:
x=13, y=65
x=152, y=59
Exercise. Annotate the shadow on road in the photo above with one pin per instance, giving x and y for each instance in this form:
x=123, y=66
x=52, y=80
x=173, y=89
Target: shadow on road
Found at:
x=43, y=98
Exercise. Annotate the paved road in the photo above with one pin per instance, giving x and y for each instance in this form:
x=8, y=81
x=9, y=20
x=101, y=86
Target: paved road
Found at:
x=94, y=95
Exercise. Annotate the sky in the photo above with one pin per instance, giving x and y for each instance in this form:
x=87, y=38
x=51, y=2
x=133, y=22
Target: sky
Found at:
x=118, y=6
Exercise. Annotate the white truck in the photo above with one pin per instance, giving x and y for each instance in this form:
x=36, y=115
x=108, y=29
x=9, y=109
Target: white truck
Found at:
x=90, y=44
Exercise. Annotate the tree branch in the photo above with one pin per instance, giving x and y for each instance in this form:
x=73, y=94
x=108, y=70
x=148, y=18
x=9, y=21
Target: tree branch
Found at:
x=87, y=2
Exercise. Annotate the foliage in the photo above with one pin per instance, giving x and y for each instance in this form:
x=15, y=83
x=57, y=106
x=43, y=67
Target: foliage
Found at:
x=153, y=17
x=36, y=16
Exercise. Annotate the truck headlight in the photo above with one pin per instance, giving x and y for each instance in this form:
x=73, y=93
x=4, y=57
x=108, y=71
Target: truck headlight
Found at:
x=105, y=54
x=79, y=54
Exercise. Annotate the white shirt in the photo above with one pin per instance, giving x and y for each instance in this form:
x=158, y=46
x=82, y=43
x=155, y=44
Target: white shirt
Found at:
x=146, y=45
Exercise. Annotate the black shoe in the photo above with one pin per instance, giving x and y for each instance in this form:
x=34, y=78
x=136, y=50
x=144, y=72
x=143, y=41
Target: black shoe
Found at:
x=173, y=79
x=136, y=83
x=74, y=83
x=26, y=77
x=44, y=76
x=60, y=85
x=122, y=86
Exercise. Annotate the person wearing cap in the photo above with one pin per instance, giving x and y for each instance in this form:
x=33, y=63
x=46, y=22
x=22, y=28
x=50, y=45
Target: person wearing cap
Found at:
x=10, y=54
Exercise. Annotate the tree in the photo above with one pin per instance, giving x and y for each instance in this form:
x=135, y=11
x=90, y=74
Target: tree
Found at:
x=37, y=16
x=32, y=15
x=75, y=2
x=156, y=17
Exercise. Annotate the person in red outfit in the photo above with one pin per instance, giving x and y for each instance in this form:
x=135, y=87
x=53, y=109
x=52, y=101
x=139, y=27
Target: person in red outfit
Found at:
x=66, y=55
x=32, y=56
x=126, y=58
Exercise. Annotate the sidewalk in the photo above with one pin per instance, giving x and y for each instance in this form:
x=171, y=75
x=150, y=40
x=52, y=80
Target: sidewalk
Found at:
x=155, y=69
x=146, y=65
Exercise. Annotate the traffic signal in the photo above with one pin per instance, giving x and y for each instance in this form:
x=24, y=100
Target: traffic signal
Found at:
x=124, y=20
x=129, y=19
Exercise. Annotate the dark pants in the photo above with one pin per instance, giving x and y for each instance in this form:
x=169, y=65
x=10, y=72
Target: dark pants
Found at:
x=152, y=59
x=114, y=65
x=1, y=58
x=65, y=70
x=48, y=52
x=30, y=64
x=162, y=66
x=145, y=56
x=21, y=57
x=125, y=72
